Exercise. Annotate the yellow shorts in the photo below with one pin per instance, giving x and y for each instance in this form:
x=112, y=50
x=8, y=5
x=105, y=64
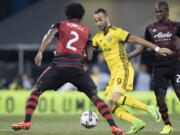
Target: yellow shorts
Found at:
x=121, y=81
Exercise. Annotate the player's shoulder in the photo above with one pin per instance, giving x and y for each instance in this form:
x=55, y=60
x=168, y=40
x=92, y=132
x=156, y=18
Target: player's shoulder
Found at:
x=152, y=24
x=97, y=35
x=116, y=29
x=176, y=23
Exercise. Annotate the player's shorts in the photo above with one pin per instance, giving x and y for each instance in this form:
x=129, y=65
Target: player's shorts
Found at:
x=54, y=77
x=162, y=76
x=121, y=81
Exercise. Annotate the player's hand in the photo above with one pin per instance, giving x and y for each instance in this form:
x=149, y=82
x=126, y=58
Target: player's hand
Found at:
x=85, y=67
x=165, y=51
x=38, y=59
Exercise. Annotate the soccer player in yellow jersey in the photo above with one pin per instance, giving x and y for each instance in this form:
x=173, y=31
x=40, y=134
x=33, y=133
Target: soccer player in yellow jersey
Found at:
x=111, y=40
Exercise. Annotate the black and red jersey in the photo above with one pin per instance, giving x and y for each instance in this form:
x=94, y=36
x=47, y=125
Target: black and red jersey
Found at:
x=73, y=38
x=165, y=35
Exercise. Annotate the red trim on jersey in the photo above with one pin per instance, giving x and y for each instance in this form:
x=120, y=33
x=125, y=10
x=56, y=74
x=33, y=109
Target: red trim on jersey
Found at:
x=167, y=43
x=69, y=66
x=159, y=28
x=46, y=70
x=68, y=59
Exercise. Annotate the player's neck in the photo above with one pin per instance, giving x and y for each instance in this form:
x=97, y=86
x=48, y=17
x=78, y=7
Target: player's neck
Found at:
x=74, y=20
x=164, y=21
x=107, y=29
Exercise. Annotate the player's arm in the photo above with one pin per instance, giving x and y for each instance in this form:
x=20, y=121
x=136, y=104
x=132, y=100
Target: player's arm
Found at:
x=88, y=49
x=136, y=52
x=141, y=48
x=137, y=40
x=89, y=53
x=45, y=42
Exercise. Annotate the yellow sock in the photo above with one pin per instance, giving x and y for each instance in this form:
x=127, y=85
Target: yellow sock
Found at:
x=129, y=101
x=123, y=114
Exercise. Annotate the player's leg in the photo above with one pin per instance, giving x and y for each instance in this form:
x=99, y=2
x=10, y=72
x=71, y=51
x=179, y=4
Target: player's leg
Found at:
x=163, y=109
x=105, y=112
x=119, y=111
x=160, y=82
x=123, y=83
x=45, y=81
x=85, y=84
x=175, y=80
x=123, y=114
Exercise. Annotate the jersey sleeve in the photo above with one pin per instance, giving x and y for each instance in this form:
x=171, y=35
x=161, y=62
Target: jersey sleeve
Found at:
x=147, y=35
x=89, y=41
x=94, y=41
x=122, y=35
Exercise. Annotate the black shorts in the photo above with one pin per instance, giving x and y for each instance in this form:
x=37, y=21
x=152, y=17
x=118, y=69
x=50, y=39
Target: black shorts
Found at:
x=163, y=75
x=54, y=77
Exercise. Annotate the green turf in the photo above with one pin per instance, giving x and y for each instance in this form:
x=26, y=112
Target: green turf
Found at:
x=69, y=125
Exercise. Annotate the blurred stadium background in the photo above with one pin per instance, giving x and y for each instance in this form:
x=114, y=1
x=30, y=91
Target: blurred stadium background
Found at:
x=23, y=24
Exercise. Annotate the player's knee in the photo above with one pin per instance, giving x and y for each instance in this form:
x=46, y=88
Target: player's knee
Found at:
x=94, y=98
x=115, y=98
x=110, y=104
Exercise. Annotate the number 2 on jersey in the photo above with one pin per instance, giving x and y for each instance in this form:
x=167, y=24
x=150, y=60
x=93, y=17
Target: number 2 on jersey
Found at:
x=71, y=41
x=178, y=78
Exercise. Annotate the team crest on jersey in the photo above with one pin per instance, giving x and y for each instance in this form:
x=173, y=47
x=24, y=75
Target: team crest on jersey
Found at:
x=109, y=39
x=154, y=30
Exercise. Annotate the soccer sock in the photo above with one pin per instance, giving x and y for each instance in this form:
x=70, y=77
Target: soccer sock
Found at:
x=129, y=101
x=164, y=115
x=31, y=105
x=123, y=114
x=104, y=111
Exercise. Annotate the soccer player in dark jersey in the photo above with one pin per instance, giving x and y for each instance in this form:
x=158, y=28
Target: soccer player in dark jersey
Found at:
x=164, y=33
x=73, y=42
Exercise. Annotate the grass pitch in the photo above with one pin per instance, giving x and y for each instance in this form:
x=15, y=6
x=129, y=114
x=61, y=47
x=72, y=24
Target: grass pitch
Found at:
x=69, y=125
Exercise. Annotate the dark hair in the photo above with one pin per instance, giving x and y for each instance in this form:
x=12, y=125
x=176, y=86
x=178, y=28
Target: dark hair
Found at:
x=163, y=4
x=74, y=11
x=100, y=10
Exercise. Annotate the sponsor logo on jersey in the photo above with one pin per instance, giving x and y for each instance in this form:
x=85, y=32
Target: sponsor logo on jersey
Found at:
x=109, y=39
x=163, y=35
x=107, y=49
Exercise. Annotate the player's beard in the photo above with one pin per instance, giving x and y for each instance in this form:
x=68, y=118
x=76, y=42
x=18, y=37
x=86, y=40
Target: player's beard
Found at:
x=102, y=28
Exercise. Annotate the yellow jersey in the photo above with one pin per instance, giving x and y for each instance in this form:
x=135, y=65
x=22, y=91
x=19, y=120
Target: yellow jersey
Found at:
x=113, y=47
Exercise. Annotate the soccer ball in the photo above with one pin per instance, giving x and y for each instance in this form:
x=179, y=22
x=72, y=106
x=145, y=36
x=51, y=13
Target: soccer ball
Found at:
x=89, y=119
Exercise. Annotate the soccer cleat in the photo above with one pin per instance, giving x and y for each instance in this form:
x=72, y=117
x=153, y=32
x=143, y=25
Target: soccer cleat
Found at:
x=137, y=126
x=167, y=129
x=116, y=131
x=21, y=126
x=154, y=113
